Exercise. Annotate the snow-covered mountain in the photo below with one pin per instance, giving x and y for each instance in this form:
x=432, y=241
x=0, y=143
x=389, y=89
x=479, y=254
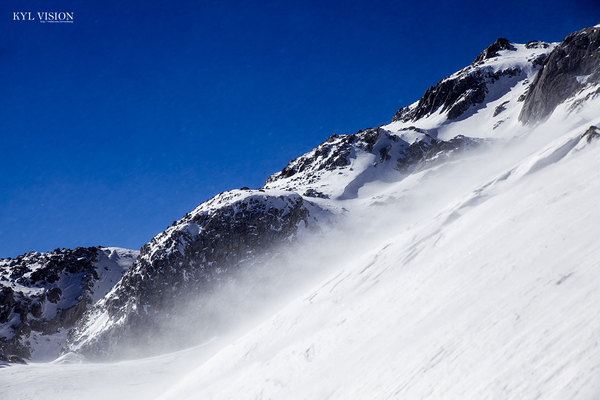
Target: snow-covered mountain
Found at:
x=195, y=253
x=452, y=254
x=42, y=295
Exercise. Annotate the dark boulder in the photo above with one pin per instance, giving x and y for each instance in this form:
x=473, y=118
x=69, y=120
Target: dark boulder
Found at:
x=53, y=295
x=593, y=133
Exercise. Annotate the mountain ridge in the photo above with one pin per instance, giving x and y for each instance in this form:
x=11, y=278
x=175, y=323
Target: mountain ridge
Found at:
x=483, y=103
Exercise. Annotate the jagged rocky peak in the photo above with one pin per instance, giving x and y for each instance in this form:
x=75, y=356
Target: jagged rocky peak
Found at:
x=573, y=65
x=200, y=250
x=494, y=49
x=327, y=170
x=497, y=69
x=335, y=153
x=537, y=44
x=337, y=168
x=42, y=295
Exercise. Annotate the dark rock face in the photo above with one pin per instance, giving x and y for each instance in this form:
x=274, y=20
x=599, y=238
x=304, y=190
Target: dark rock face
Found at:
x=500, y=108
x=492, y=51
x=474, y=85
x=422, y=155
x=315, y=193
x=593, y=133
x=569, y=67
x=334, y=154
x=196, y=253
x=536, y=44
x=456, y=95
x=44, y=294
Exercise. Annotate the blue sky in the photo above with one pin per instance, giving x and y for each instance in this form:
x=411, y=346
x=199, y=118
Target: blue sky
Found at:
x=115, y=126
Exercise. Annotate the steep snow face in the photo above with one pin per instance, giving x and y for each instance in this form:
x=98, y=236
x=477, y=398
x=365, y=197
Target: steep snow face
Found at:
x=43, y=294
x=329, y=170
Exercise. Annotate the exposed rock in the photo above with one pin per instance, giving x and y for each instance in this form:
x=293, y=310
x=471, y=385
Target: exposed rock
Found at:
x=570, y=66
x=475, y=85
x=500, y=108
x=593, y=133
x=43, y=294
x=54, y=294
x=422, y=155
x=11, y=359
x=315, y=193
x=196, y=253
x=336, y=153
x=536, y=44
x=492, y=51
x=456, y=95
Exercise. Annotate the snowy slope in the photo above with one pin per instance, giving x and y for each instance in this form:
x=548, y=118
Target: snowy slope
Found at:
x=462, y=271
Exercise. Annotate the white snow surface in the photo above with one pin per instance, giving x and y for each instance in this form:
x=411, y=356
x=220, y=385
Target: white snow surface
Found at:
x=475, y=279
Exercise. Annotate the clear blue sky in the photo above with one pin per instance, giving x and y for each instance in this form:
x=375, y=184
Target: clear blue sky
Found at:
x=116, y=125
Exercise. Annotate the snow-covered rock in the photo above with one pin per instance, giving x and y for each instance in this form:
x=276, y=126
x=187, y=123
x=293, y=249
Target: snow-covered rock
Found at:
x=571, y=67
x=493, y=73
x=42, y=295
x=194, y=254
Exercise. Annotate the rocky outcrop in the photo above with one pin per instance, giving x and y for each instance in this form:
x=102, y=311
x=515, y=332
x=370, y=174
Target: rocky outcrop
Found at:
x=495, y=70
x=571, y=66
x=349, y=162
x=335, y=155
x=42, y=295
x=494, y=49
x=421, y=155
x=591, y=134
x=456, y=95
x=197, y=252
